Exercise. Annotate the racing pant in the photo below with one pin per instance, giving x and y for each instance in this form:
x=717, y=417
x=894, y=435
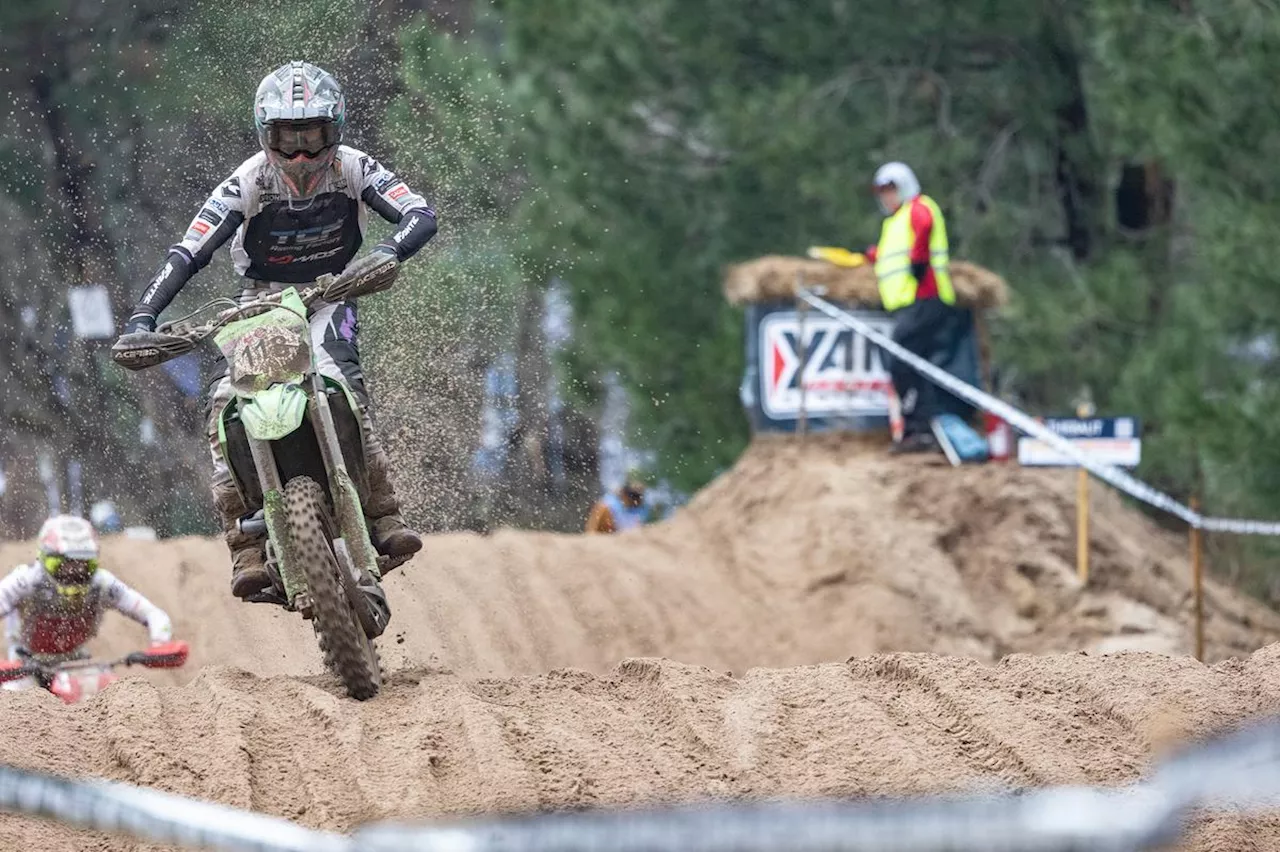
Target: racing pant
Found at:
x=334, y=338
x=933, y=330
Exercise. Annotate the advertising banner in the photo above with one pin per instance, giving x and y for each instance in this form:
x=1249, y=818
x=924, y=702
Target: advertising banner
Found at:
x=834, y=375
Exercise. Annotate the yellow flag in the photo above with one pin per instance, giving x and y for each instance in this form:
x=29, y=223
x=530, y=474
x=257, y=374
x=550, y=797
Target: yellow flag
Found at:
x=838, y=256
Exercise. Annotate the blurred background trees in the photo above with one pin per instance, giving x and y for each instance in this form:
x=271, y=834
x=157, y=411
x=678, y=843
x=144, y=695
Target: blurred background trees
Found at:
x=596, y=163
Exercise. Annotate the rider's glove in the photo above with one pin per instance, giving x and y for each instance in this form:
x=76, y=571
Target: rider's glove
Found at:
x=140, y=322
x=385, y=248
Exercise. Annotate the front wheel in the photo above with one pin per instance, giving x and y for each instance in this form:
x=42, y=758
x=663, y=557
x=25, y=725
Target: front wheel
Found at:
x=348, y=652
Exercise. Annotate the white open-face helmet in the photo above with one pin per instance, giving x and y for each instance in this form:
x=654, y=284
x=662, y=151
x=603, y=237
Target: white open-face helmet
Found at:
x=899, y=176
x=68, y=547
x=299, y=112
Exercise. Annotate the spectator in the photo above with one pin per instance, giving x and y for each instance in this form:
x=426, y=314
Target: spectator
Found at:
x=621, y=510
x=913, y=269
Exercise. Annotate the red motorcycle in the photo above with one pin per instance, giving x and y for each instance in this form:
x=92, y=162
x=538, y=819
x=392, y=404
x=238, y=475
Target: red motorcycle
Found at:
x=76, y=680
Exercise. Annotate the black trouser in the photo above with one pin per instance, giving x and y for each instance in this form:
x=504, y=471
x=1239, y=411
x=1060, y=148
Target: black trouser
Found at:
x=934, y=331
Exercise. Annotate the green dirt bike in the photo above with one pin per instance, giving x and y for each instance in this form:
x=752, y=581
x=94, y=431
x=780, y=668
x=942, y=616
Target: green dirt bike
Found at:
x=294, y=444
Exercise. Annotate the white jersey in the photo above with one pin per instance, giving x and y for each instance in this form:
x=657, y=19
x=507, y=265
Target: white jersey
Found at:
x=38, y=620
x=280, y=238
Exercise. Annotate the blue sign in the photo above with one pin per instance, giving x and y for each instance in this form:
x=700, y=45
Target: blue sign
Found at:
x=1095, y=427
x=1111, y=440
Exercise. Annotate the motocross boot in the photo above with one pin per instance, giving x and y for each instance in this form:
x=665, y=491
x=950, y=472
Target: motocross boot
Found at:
x=387, y=529
x=248, y=565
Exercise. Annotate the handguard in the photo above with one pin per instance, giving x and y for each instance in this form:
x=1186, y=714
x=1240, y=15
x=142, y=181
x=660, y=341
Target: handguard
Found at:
x=14, y=670
x=167, y=655
x=139, y=350
x=373, y=273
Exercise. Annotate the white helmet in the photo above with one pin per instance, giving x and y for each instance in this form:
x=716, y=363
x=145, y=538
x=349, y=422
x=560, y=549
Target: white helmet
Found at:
x=299, y=112
x=68, y=549
x=898, y=175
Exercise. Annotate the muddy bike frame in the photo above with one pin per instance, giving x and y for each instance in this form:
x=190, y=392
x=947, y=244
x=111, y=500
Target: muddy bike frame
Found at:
x=277, y=392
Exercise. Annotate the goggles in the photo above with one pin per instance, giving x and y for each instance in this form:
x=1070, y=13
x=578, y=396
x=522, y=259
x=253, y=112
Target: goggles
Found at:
x=70, y=572
x=294, y=139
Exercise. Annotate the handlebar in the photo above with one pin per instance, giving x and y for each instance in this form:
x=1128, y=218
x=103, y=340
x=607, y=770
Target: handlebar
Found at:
x=139, y=350
x=168, y=655
x=196, y=333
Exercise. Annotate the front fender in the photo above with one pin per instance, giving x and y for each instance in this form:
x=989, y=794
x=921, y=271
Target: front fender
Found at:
x=275, y=412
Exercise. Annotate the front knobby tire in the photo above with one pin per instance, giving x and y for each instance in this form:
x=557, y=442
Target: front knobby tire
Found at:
x=348, y=653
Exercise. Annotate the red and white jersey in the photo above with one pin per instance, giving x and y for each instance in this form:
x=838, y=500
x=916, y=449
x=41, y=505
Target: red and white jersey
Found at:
x=40, y=620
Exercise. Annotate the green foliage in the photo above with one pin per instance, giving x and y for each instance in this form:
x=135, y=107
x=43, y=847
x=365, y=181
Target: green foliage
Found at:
x=671, y=141
x=667, y=139
x=225, y=47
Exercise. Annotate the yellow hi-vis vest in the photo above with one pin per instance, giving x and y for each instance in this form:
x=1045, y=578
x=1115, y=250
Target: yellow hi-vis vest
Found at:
x=893, y=257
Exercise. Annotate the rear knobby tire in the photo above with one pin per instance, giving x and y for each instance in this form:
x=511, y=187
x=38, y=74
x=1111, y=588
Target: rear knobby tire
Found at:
x=348, y=653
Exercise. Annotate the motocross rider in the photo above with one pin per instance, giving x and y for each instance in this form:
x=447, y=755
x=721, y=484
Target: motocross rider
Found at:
x=54, y=605
x=293, y=212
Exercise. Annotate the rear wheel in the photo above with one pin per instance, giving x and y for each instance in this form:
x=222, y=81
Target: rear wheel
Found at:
x=348, y=653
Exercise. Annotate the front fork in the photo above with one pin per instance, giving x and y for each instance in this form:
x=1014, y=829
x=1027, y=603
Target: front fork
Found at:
x=264, y=461
x=346, y=498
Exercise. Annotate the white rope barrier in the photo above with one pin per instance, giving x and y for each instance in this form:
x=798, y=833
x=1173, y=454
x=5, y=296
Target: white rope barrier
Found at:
x=1107, y=473
x=1236, y=773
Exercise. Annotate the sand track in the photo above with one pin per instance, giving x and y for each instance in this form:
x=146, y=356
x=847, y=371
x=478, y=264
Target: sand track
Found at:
x=789, y=577
x=438, y=744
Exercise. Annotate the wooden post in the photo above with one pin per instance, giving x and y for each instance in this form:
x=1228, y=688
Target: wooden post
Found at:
x=802, y=425
x=1197, y=582
x=1082, y=525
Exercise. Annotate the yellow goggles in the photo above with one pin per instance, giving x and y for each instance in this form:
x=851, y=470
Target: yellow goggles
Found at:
x=71, y=572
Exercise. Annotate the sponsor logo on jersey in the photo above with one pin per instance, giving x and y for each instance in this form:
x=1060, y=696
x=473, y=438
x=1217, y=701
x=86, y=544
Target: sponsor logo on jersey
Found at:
x=385, y=181
x=164, y=273
x=288, y=258
x=211, y=217
x=199, y=228
x=309, y=236
x=217, y=206
x=399, y=236
x=399, y=192
x=231, y=189
x=368, y=165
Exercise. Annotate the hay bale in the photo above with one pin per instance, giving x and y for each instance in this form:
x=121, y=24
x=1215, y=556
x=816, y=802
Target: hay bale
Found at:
x=773, y=279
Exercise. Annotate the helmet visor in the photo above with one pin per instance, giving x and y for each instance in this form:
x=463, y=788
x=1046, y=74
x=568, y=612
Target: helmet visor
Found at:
x=291, y=139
